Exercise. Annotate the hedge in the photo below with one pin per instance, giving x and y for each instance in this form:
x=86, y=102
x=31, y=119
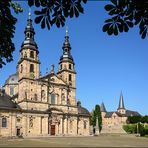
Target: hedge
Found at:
x=132, y=129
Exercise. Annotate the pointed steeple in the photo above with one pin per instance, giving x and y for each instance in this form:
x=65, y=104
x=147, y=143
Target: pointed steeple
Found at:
x=121, y=102
x=66, y=48
x=29, y=34
x=52, y=68
x=102, y=107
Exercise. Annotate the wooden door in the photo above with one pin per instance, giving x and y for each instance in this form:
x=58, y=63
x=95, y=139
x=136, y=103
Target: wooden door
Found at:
x=18, y=132
x=52, y=129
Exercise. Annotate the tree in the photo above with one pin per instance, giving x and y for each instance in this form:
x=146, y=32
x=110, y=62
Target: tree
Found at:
x=134, y=119
x=96, y=113
x=144, y=119
x=125, y=14
x=7, y=30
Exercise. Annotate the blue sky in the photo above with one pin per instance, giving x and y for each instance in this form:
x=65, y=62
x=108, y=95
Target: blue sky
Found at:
x=105, y=64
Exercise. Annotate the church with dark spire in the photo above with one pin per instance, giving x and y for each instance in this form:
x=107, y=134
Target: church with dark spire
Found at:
x=32, y=105
x=113, y=121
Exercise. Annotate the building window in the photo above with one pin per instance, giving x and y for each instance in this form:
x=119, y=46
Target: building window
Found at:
x=85, y=124
x=28, y=35
x=61, y=66
x=21, y=69
x=35, y=97
x=31, y=54
x=31, y=68
x=52, y=98
x=71, y=124
x=43, y=94
x=30, y=122
x=69, y=66
x=70, y=78
x=4, y=122
x=11, y=90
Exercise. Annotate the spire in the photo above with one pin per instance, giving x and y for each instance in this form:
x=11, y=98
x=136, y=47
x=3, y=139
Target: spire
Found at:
x=66, y=30
x=46, y=71
x=102, y=107
x=121, y=102
x=66, y=48
x=29, y=34
x=52, y=68
x=29, y=14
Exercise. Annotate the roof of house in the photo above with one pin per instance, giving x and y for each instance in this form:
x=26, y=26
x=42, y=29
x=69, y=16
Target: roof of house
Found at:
x=127, y=114
x=82, y=110
x=102, y=107
x=13, y=79
x=6, y=102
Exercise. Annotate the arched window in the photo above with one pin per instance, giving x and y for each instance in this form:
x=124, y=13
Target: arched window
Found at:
x=31, y=54
x=28, y=35
x=21, y=69
x=4, y=122
x=35, y=97
x=61, y=67
x=70, y=66
x=31, y=68
x=71, y=124
x=62, y=98
x=85, y=124
x=70, y=78
x=30, y=122
x=43, y=94
x=53, y=98
x=11, y=90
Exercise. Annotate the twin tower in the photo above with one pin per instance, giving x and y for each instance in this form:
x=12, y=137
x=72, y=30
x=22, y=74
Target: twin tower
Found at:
x=28, y=67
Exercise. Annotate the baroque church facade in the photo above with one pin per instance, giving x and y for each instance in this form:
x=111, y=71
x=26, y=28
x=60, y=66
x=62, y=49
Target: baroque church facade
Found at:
x=35, y=105
x=112, y=122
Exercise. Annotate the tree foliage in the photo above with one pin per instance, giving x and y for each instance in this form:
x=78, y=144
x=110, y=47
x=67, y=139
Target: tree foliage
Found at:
x=144, y=119
x=7, y=30
x=134, y=119
x=126, y=14
x=96, y=113
x=56, y=11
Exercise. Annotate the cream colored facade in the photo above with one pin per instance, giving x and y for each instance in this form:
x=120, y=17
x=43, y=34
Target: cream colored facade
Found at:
x=112, y=122
x=34, y=105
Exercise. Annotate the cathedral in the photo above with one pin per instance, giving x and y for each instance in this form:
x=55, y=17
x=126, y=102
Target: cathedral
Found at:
x=32, y=105
x=112, y=122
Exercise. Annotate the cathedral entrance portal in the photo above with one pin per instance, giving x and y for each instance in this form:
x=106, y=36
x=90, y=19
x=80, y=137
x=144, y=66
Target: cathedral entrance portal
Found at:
x=52, y=130
x=18, y=133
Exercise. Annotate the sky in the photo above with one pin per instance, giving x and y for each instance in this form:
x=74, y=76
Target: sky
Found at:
x=105, y=65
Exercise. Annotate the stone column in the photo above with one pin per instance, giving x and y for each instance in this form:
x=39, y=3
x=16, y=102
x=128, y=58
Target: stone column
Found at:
x=62, y=126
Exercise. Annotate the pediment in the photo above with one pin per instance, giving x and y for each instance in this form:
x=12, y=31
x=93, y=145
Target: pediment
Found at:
x=53, y=79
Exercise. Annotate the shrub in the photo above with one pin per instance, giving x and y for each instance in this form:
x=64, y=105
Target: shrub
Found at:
x=130, y=128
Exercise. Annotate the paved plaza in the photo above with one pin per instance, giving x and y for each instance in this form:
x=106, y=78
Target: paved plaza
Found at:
x=115, y=140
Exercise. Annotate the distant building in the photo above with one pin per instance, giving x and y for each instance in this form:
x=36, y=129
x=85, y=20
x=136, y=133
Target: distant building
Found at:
x=35, y=105
x=113, y=121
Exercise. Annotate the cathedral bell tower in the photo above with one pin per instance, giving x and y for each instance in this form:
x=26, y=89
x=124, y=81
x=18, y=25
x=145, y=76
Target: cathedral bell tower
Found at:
x=66, y=65
x=121, y=109
x=28, y=65
x=66, y=70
